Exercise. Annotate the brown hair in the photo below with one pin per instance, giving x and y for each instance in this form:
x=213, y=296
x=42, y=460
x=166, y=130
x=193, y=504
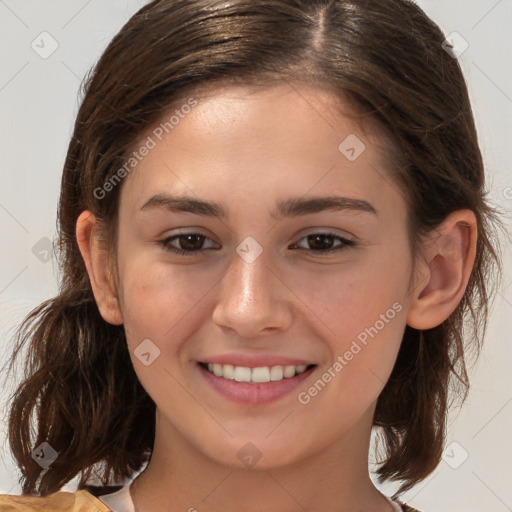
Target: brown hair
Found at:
x=386, y=57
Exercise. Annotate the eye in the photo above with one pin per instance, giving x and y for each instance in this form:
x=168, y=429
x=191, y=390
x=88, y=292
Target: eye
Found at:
x=324, y=243
x=188, y=243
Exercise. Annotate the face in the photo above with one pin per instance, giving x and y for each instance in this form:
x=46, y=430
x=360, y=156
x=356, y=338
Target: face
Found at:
x=267, y=180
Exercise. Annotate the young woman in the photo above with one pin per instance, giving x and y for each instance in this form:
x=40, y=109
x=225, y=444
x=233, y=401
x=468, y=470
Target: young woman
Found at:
x=273, y=224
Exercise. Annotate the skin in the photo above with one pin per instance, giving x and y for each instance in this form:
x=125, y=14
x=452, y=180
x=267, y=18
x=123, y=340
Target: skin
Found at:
x=246, y=150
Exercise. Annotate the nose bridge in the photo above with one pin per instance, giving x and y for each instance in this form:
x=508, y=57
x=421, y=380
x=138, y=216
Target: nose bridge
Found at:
x=248, y=283
x=250, y=298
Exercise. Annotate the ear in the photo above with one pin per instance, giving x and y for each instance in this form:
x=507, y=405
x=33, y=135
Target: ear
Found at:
x=443, y=275
x=98, y=262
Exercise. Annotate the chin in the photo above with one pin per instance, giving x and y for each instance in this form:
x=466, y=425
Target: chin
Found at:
x=259, y=454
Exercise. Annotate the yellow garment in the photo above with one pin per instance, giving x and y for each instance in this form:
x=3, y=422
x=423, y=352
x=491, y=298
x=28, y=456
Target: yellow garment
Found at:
x=79, y=501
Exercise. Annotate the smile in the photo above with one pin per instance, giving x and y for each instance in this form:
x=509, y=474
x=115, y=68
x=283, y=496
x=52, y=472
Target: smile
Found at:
x=257, y=375
x=254, y=385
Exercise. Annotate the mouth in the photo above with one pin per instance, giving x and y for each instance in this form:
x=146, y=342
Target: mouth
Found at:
x=254, y=385
x=257, y=375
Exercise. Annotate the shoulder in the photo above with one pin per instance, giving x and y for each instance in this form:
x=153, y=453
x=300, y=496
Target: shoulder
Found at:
x=79, y=501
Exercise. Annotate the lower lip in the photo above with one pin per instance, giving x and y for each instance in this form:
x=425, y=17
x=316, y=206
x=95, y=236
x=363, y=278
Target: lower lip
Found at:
x=252, y=393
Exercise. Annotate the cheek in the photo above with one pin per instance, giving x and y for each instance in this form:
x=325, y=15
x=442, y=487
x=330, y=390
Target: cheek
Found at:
x=360, y=313
x=164, y=305
x=361, y=323
x=350, y=297
x=159, y=301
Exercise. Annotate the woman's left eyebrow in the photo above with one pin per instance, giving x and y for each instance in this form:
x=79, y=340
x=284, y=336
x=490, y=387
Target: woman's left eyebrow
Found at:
x=285, y=208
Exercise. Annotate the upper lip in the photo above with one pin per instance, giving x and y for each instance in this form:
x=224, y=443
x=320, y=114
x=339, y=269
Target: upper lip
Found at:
x=255, y=361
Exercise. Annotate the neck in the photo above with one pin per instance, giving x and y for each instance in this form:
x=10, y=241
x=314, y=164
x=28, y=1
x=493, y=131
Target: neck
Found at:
x=180, y=478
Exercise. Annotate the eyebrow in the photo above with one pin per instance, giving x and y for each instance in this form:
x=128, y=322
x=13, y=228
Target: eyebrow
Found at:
x=285, y=208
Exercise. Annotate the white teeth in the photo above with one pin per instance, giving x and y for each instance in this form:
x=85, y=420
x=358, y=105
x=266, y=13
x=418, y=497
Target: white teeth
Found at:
x=228, y=371
x=276, y=373
x=242, y=374
x=260, y=374
x=289, y=371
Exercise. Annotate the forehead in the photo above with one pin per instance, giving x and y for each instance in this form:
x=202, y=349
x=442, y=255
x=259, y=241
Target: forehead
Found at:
x=267, y=112
x=284, y=138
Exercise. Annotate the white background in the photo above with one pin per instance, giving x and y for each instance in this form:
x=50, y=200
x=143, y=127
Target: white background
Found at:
x=38, y=104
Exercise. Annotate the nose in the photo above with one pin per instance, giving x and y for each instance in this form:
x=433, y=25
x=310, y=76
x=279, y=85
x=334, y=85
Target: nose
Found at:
x=252, y=300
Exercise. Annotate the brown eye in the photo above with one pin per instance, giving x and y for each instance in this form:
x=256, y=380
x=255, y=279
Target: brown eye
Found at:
x=322, y=243
x=187, y=243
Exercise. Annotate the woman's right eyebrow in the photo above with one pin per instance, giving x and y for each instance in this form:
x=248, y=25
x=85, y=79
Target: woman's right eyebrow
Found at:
x=285, y=208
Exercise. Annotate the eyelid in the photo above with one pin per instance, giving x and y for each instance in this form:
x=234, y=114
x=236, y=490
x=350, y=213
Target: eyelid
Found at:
x=166, y=242
x=327, y=231
x=346, y=243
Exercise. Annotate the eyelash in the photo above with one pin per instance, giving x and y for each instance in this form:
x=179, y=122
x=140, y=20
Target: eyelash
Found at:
x=166, y=244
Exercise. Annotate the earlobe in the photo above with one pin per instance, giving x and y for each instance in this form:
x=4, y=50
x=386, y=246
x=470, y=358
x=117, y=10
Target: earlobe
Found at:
x=98, y=264
x=449, y=258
